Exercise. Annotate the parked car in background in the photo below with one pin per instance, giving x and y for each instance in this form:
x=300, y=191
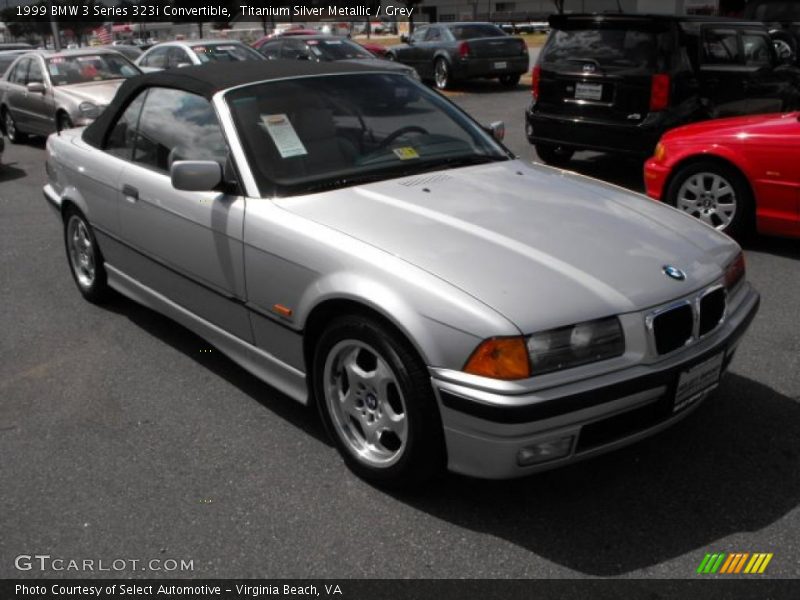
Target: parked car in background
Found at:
x=516, y=27
x=379, y=50
x=394, y=269
x=44, y=92
x=284, y=33
x=733, y=174
x=448, y=52
x=782, y=17
x=7, y=57
x=15, y=46
x=615, y=83
x=130, y=52
x=337, y=29
x=185, y=53
x=326, y=48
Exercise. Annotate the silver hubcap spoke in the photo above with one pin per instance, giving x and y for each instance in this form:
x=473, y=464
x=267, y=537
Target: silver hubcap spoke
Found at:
x=709, y=197
x=81, y=252
x=365, y=403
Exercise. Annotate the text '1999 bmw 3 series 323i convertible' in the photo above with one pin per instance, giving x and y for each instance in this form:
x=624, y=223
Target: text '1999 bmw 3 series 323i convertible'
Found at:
x=359, y=243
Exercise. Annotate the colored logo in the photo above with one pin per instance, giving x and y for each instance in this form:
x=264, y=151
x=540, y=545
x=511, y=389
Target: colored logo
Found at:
x=674, y=273
x=736, y=563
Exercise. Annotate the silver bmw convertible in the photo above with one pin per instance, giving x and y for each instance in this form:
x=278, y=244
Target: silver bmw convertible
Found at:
x=362, y=245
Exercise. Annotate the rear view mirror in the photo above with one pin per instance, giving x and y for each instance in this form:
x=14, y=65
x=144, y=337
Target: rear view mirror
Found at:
x=497, y=129
x=36, y=87
x=195, y=175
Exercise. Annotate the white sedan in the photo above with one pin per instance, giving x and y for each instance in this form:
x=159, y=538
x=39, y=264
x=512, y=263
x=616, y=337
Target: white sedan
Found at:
x=171, y=55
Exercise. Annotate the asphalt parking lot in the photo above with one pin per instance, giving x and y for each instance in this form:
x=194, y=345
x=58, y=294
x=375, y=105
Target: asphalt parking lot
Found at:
x=122, y=435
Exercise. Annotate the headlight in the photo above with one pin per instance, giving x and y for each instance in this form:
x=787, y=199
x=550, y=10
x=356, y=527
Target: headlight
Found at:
x=89, y=110
x=512, y=358
x=575, y=345
x=661, y=152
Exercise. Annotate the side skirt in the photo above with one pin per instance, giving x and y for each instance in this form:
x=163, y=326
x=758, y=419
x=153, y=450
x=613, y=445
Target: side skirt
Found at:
x=263, y=365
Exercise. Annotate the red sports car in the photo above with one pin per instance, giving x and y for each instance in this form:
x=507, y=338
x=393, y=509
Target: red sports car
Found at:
x=376, y=49
x=732, y=173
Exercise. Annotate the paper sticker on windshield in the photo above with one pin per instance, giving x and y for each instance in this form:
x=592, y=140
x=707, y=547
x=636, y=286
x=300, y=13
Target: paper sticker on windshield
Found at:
x=405, y=153
x=283, y=135
x=333, y=42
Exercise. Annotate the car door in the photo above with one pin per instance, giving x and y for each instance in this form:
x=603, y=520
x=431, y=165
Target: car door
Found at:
x=184, y=245
x=767, y=90
x=434, y=39
x=15, y=93
x=411, y=53
x=722, y=71
x=39, y=105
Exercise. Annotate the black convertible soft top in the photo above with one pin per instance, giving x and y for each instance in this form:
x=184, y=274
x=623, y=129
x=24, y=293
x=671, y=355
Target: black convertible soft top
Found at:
x=207, y=80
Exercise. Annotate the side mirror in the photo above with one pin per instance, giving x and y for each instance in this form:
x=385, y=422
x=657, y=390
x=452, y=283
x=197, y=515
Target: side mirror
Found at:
x=195, y=175
x=404, y=39
x=497, y=130
x=35, y=87
x=184, y=64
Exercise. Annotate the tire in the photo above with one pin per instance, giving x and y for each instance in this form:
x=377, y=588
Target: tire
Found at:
x=14, y=135
x=84, y=258
x=727, y=206
x=63, y=121
x=442, y=76
x=509, y=81
x=391, y=57
x=374, y=396
x=555, y=156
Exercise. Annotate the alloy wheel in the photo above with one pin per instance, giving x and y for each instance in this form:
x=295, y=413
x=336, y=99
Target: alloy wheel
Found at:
x=709, y=197
x=441, y=74
x=81, y=252
x=365, y=403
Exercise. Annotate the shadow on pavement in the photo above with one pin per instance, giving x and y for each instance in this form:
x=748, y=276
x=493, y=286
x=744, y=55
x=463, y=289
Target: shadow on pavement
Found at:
x=729, y=467
x=180, y=338
x=623, y=171
x=782, y=247
x=8, y=172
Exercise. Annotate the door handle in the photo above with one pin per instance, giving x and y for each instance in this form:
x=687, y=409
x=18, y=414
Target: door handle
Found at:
x=130, y=193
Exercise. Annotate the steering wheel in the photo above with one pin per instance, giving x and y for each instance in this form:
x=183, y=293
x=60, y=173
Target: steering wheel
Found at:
x=401, y=132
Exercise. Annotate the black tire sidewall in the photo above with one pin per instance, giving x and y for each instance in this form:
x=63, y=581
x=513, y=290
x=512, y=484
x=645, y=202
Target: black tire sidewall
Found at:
x=742, y=223
x=99, y=291
x=424, y=456
x=18, y=137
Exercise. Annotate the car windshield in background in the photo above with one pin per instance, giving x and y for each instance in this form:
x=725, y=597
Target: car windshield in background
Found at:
x=319, y=133
x=471, y=32
x=225, y=53
x=606, y=48
x=337, y=50
x=85, y=68
x=783, y=10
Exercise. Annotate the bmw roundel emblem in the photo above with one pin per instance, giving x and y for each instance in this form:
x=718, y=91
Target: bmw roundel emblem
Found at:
x=674, y=273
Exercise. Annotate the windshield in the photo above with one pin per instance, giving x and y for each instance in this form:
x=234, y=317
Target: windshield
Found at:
x=225, y=53
x=470, y=32
x=337, y=49
x=316, y=133
x=619, y=48
x=85, y=68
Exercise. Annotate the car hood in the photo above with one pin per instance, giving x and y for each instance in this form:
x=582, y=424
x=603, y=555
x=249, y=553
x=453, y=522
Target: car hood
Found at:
x=542, y=247
x=100, y=93
x=773, y=124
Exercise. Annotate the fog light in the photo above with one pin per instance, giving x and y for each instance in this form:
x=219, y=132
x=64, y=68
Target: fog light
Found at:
x=544, y=451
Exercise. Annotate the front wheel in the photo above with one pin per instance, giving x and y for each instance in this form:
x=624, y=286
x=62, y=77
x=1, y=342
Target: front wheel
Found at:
x=509, y=81
x=441, y=74
x=85, y=260
x=715, y=193
x=14, y=135
x=556, y=156
x=375, y=399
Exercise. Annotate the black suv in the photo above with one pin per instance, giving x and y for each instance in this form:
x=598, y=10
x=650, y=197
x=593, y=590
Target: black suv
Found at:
x=616, y=83
x=782, y=17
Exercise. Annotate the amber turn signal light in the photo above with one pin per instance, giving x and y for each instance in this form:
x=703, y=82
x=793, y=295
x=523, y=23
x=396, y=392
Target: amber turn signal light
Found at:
x=500, y=358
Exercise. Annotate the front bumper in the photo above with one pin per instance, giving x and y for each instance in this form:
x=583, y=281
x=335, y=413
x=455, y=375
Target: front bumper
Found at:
x=485, y=431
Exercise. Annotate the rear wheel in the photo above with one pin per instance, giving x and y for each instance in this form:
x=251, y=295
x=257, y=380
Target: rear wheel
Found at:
x=14, y=135
x=441, y=74
x=509, y=80
x=556, y=156
x=375, y=399
x=715, y=193
x=85, y=260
